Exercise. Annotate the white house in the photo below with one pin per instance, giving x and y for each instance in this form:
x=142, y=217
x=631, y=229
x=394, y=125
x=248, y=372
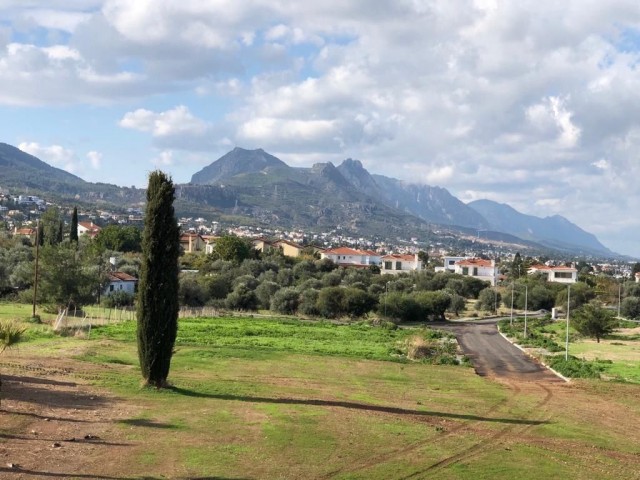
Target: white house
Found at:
x=349, y=257
x=476, y=267
x=638, y=277
x=120, y=282
x=398, y=263
x=556, y=274
x=88, y=228
x=449, y=264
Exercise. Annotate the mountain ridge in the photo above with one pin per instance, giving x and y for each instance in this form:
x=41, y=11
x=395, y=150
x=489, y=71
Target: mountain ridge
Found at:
x=554, y=231
x=254, y=183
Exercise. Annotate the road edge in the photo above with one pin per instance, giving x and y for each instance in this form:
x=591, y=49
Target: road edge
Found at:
x=555, y=372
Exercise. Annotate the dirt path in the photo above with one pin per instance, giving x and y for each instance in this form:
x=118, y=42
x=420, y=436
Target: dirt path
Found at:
x=67, y=429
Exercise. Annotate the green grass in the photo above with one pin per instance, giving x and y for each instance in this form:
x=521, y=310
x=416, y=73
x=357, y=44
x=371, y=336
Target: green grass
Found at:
x=617, y=357
x=265, y=337
x=275, y=399
x=21, y=311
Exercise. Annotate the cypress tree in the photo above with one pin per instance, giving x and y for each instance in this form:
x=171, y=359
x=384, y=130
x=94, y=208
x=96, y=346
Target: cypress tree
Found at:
x=157, y=309
x=73, y=233
x=60, y=235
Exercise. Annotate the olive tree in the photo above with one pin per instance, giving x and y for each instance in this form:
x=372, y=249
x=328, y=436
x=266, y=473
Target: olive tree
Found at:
x=592, y=320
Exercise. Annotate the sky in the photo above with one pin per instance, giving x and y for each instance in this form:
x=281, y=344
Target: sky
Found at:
x=530, y=103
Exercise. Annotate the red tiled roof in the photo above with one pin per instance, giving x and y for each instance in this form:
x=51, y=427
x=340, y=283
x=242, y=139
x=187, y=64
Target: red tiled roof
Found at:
x=399, y=256
x=474, y=262
x=121, y=277
x=287, y=242
x=89, y=226
x=350, y=251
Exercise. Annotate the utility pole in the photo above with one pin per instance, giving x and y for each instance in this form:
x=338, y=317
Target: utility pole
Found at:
x=619, y=297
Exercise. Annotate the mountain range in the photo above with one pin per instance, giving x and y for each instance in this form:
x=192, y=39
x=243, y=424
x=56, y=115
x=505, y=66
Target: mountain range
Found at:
x=262, y=179
x=256, y=185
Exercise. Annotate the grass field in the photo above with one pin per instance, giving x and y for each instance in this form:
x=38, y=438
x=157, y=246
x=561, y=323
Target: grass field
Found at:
x=620, y=350
x=281, y=399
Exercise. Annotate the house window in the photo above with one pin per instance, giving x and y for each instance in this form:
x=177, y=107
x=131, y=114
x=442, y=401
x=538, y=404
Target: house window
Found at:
x=452, y=262
x=398, y=265
x=564, y=275
x=111, y=287
x=475, y=271
x=388, y=265
x=465, y=270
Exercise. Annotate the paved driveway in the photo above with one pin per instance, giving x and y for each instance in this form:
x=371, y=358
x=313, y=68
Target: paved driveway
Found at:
x=492, y=355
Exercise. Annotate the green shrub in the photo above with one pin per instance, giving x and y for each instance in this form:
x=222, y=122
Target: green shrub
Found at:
x=576, y=368
x=120, y=298
x=285, y=301
x=308, y=302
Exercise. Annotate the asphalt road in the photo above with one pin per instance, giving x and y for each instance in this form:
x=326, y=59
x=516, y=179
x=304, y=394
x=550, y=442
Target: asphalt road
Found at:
x=492, y=355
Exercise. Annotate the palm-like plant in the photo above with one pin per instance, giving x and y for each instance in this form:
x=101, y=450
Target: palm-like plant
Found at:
x=10, y=334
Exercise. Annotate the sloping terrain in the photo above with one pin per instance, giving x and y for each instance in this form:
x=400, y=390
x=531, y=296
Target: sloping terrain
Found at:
x=555, y=232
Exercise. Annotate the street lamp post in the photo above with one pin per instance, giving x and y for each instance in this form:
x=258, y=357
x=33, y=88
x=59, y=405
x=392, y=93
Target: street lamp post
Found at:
x=526, y=301
x=386, y=292
x=35, y=272
x=566, y=342
x=512, y=287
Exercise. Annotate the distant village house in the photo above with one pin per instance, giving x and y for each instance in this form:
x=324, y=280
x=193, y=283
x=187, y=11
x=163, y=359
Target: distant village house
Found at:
x=349, y=257
x=400, y=263
x=120, y=282
x=556, y=274
x=478, y=268
x=88, y=228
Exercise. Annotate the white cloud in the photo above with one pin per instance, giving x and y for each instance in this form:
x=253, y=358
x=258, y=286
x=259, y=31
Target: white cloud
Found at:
x=175, y=129
x=164, y=159
x=56, y=19
x=95, y=159
x=55, y=155
x=601, y=164
x=485, y=96
x=177, y=121
x=552, y=115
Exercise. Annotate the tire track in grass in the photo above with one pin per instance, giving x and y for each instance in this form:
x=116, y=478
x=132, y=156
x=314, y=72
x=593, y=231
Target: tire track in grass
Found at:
x=380, y=459
x=489, y=444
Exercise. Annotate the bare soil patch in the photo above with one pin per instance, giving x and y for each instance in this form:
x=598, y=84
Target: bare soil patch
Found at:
x=60, y=426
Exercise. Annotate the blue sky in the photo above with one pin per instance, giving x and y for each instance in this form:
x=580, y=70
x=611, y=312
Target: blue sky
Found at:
x=528, y=103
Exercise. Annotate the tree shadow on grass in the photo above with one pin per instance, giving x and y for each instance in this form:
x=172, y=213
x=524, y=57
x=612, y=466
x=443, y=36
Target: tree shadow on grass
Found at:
x=356, y=406
x=44, y=417
x=60, y=395
x=36, y=380
x=42, y=474
x=143, y=422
